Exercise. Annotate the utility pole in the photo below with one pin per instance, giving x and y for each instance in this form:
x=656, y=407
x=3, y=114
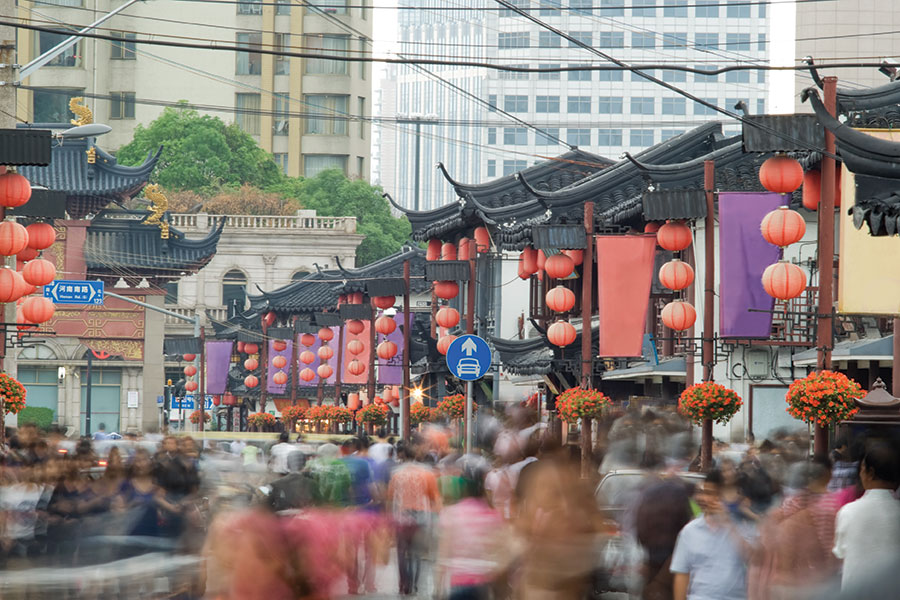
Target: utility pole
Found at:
x=417, y=121
x=7, y=121
x=709, y=285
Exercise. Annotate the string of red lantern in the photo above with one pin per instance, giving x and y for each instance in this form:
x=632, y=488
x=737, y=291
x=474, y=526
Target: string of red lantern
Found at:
x=782, y=227
x=561, y=333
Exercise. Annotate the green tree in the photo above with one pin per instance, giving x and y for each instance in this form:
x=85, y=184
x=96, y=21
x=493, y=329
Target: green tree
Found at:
x=200, y=153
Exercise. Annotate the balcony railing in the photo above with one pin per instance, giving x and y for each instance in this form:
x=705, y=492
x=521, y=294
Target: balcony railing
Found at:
x=203, y=221
x=217, y=313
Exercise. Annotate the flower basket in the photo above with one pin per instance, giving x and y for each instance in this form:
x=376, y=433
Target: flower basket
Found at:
x=13, y=394
x=292, y=414
x=339, y=414
x=195, y=416
x=580, y=403
x=373, y=414
x=709, y=400
x=261, y=420
x=317, y=414
x=824, y=399
x=454, y=407
x=419, y=413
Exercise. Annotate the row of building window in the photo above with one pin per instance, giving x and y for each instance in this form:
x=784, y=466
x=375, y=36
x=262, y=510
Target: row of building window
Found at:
x=329, y=114
x=314, y=7
x=607, y=105
x=250, y=62
x=670, y=75
x=704, y=9
x=616, y=39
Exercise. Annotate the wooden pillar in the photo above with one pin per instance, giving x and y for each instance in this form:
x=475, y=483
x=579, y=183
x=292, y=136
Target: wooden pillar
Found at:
x=470, y=329
x=339, y=368
x=709, y=285
x=295, y=360
x=264, y=366
x=587, y=355
x=404, y=392
x=202, y=379
x=370, y=384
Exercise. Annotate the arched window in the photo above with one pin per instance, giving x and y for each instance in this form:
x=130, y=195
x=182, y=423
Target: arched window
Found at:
x=234, y=291
x=299, y=275
x=37, y=352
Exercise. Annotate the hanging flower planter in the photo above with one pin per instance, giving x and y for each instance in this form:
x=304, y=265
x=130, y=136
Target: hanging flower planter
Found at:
x=195, y=416
x=454, y=407
x=261, y=420
x=13, y=394
x=824, y=399
x=419, y=413
x=373, y=414
x=709, y=400
x=579, y=403
x=292, y=414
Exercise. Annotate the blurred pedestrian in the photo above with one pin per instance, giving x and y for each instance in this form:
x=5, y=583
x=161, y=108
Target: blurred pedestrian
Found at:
x=664, y=508
x=280, y=452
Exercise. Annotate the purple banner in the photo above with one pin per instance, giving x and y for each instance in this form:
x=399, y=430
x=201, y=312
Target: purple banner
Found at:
x=390, y=372
x=743, y=256
x=315, y=364
x=218, y=361
x=271, y=386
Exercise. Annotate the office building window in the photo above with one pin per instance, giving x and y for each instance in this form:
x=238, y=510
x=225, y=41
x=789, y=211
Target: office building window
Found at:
x=123, y=47
x=673, y=106
x=361, y=114
x=52, y=105
x=283, y=7
x=636, y=75
x=337, y=7
x=492, y=135
x=549, y=76
x=513, y=166
x=516, y=39
x=612, y=8
x=580, y=75
x=578, y=105
x=70, y=57
x=332, y=45
x=329, y=114
x=700, y=109
x=515, y=103
x=582, y=7
x=250, y=7
x=548, y=39
x=515, y=136
x=515, y=75
x=760, y=77
x=491, y=168
x=171, y=288
x=609, y=137
x=550, y=8
x=762, y=10
x=610, y=75
x=612, y=39
x=121, y=105
x=643, y=8
x=760, y=106
x=282, y=44
x=578, y=137
x=703, y=78
x=761, y=42
x=585, y=37
x=546, y=104
x=234, y=290
x=707, y=40
x=738, y=42
x=737, y=77
x=281, y=159
x=642, y=138
x=361, y=167
x=363, y=67
x=707, y=9
x=668, y=134
x=673, y=76
x=492, y=103
x=313, y=164
x=675, y=40
x=609, y=105
x=675, y=8
x=642, y=105
x=643, y=40
x=249, y=62
x=505, y=12
x=738, y=9
x=246, y=112
x=548, y=136
x=730, y=103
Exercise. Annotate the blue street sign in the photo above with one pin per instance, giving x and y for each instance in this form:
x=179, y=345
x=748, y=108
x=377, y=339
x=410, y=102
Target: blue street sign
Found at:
x=160, y=399
x=189, y=398
x=186, y=403
x=469, y=357
x=75, y=292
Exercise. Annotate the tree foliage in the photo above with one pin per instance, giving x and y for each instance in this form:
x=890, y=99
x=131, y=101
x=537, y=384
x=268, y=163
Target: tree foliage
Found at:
x=245, y=200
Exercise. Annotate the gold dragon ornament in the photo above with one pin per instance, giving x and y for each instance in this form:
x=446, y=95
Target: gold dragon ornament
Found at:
x=84, y=114
x=159, y=206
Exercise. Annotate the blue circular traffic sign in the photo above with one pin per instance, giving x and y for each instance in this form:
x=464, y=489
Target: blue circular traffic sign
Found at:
x=469, y=357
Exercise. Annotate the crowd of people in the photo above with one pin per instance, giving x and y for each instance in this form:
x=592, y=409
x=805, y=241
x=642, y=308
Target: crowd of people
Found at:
x=291, y=518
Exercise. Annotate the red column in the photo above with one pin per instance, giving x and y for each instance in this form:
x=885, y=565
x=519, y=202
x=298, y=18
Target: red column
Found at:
x=709, y=285
x=404, y=392
x=587, y=358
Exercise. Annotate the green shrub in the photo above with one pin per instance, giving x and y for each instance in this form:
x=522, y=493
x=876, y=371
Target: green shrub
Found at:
x=40, y=416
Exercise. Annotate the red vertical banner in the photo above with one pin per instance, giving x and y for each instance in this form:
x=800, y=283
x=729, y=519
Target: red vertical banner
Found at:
x=624, y=276
x=364, y=357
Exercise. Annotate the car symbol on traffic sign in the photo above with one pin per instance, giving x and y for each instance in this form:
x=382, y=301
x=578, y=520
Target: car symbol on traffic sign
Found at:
x=75, y=292
x=469, y=357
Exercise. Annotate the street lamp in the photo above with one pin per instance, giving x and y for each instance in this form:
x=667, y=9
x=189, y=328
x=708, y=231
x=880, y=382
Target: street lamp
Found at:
x=417, y=119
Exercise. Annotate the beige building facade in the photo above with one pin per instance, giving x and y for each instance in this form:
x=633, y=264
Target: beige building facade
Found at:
x=310, y=113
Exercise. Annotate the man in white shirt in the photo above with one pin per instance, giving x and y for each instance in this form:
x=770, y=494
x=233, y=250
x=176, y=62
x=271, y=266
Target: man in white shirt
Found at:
x=867, y=532
x=280, y=452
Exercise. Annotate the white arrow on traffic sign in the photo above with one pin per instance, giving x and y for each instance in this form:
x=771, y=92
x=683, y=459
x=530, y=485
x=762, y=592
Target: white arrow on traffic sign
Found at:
x=469, y=347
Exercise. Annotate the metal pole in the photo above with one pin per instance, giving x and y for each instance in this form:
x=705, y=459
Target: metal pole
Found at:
x=87, y=394
x=339, y=368
x=295, y=358
x=202, y=382
x=709, y=285
x=7, y=121
x=470, y=329
x=498, y=303
x=418, y=150
x=370, y=382
x=404, y=393
x=587, y=358
x=825, y=333
x=264, y=366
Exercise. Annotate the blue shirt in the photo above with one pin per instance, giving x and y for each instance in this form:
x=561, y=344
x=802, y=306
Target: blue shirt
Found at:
x=360, y=480
x=712, y=557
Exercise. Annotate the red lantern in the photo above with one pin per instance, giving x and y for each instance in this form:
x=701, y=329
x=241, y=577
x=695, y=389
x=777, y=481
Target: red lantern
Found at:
x=353, y=401
x=784, y=280
x=560, y=299
x=190, y=370
x=559, y=266
x=676, y=275
x=577, y=256
x=251, y=364
x=384, y=302
x=446, y=290
x=326, y=334
x=482, y=240
x=324, y=371
x=279, y=378
x=651, y=227
x=269, y=319
x=191, y=386
x=444, y=342
x=355, y=326
x=307, y=339
x=447, y=317
x=307, y=357
x=189, y=357
x=14, y=190
x=21, y=322
x=228, y=398
x=812, y=189
x=356, y=367
x=561, y=333
x=217, y=400
x=386, y=394
x=279, y=362
x=674, y=236
x=240, y=347
x=783, y=227
x=325, y=353
x=38, y=309
x=39, y=272
x=434, y=249
x=463, y=252
x=307, y=374
x=13, y=238
x=386, y=350
x=356, y=298
x=23, y=288
x=27, y=254
x=251, y=348
x=385, y=325
x=8, y=285
x=395, y=392
x=355, y=347
x=522, y=273
x=781, y=174
x=530, y=258
x=448, y=251
x=541, y=260
x=678, y=315
x=279, y=345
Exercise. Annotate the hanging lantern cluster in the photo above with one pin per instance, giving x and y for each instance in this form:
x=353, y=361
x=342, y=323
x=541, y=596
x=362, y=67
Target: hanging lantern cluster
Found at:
x=783, y=227
x=676, y=274
x=781, y=174
x=561, y=333
x=31, y=271
x=189, y=372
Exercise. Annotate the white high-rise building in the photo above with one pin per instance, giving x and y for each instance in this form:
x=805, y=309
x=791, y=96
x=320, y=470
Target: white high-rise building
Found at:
x=605, y=112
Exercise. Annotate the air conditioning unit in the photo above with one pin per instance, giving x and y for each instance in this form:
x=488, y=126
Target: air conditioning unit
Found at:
x=280, y=126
